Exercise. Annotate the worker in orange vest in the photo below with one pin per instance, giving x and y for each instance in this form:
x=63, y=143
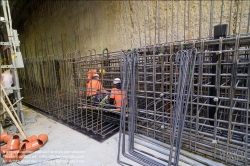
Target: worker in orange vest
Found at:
x=117, y=95
x=95, y=90
x=91, y=74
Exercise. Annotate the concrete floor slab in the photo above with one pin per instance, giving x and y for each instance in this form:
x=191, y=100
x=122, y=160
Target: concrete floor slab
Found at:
x=67, y=146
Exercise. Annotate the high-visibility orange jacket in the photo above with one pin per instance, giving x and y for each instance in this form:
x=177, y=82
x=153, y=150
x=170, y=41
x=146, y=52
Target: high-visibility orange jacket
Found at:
x=95, y=87
x=118, y=95
x=91, y=74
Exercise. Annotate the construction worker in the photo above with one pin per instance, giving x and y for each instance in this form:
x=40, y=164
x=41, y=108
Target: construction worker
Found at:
x=91, y=73
x=7, y=80
x=117, y=95
x=95, y=90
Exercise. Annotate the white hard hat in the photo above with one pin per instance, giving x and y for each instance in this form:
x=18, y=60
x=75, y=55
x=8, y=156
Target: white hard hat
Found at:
x=117, y=80
x=96, y=75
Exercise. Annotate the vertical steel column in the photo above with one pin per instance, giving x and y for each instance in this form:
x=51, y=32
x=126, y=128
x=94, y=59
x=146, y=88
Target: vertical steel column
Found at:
x=232, y=92
x=171, y=90
x=200, y=19
x=199, y=89
x=248, y=21
x=247, y=112
x=219, y=31
x=211, y=18
x=216, y=99
x=166, y=21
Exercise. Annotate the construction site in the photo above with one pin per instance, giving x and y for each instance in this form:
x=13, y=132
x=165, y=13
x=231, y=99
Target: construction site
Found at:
x=104, y=83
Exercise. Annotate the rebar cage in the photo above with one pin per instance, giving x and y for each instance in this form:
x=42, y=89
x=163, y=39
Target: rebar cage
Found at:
x=101, y=118
x=186, y=94
x=57, y=85
x=216, y=122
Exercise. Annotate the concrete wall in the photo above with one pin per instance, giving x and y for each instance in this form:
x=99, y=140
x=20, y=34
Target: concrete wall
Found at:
x=64, y=26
